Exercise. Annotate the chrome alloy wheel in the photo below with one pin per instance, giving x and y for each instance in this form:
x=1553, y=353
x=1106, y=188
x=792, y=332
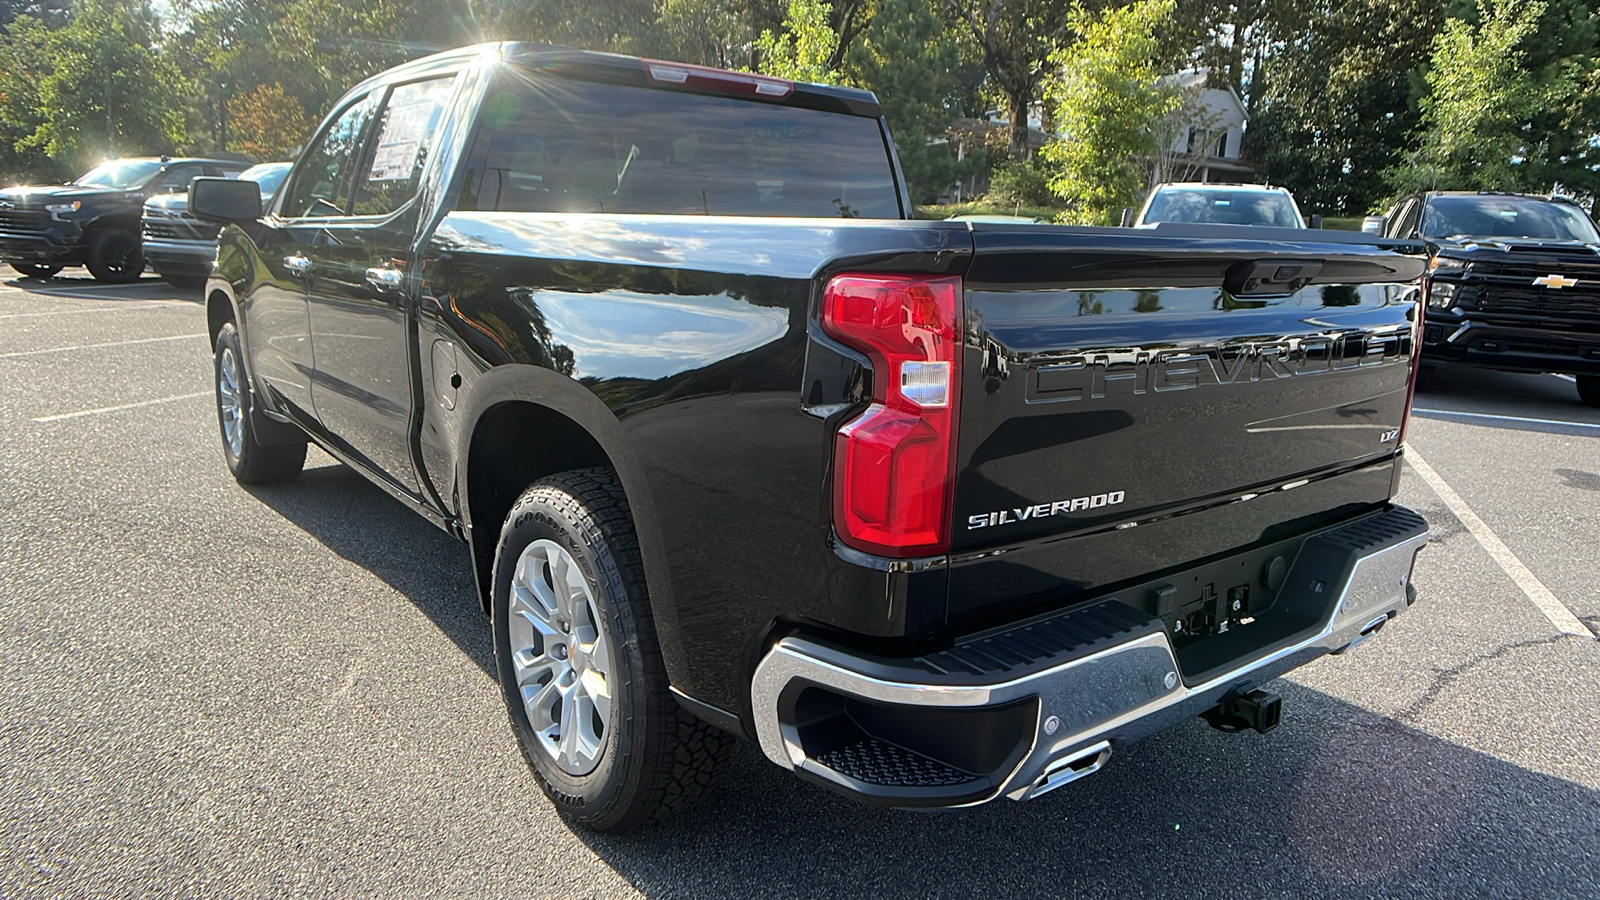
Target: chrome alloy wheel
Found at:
x=560, y=656
x=230, y=401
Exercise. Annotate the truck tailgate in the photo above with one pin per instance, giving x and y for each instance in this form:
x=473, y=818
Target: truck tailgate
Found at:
x=1147, y=398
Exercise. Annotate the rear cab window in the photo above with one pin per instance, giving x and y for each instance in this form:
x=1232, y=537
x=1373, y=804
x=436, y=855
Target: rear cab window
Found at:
x=556, y=145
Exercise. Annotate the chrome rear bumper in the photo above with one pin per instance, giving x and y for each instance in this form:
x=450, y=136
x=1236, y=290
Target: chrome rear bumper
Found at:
x=1111, y=676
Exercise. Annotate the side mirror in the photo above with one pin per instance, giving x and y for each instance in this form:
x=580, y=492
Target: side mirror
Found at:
x=1316, y=221
x=1127, y=217
x=1374, y=224
x=224, y=200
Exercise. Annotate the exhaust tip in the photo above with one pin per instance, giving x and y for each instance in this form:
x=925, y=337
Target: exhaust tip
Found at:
x=1071, y=768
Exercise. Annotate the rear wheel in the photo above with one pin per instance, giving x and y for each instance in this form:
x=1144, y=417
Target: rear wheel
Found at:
x=36, y=270
x=115, y=256
x=579, y=665
x=250, y=461
x=1589, y=389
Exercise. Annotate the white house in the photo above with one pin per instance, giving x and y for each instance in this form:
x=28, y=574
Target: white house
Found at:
x=1213, y=128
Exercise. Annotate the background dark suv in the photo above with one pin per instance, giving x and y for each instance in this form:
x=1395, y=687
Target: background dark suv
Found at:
x=1513, y=282
x=94, y=220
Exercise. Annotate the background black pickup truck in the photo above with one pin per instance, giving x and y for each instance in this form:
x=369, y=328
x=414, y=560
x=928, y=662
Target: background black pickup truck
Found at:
x=935, y=512
x=94, y=221
x=1513, y=282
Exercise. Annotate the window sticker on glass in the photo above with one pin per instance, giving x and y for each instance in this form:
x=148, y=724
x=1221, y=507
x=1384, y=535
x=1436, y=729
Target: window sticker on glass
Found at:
x=394, y=161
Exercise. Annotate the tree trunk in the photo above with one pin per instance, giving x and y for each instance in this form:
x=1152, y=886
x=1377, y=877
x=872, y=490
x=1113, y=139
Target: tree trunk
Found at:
x=1018, y=135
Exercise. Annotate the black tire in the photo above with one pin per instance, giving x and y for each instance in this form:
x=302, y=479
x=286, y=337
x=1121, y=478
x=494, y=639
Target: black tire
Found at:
x=1589, y=389
x=250, y=461
x=115, y=256
x=655, y=758
x=36, y=270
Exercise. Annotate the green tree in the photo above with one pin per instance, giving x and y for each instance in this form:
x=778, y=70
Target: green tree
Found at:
x=805, y=50
x=1480, y=100
x=919, y=68
x=1110, y=102
x=1017, y=39
x=1334, y=106
x=108, y=92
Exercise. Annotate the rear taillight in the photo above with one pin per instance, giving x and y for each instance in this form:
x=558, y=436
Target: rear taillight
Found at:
x=894, y=465
x=1416, y=366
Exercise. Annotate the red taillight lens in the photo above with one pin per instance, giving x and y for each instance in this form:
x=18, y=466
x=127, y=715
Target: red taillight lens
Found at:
x=1416, y=364
x=894, y=465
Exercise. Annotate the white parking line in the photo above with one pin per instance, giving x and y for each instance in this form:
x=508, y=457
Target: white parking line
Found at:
x=97, y=310
x=176, y=337
x=1554, y=610
x=1473, y=415
x=109, y=409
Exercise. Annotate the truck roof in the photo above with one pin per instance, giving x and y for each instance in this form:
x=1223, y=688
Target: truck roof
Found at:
x=615, y=68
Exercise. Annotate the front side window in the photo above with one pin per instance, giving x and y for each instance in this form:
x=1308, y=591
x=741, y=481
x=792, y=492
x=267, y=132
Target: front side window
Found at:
x=177, y=178
x=406, y=134
x=321, y=185
x=556, y=145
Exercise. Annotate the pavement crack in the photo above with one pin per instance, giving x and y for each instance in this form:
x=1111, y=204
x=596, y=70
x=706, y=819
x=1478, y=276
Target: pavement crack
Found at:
x=1443, y=678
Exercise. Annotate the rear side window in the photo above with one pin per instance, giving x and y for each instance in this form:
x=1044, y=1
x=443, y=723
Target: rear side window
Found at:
x=392, y=170
x=572, y=146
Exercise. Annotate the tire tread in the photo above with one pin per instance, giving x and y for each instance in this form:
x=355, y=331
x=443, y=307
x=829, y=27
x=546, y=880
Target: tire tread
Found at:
x=681, y=751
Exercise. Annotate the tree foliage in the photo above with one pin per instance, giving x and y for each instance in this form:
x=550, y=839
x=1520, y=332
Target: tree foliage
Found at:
x=922, y=70
x=1110, y=102
x=805, y=49
x=1018, y=39
x=1348, y=100
x=267, y=123
x=105, y=91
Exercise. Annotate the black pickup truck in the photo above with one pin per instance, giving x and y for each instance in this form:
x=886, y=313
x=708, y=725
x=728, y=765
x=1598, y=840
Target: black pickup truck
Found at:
x=933, y=512
x=93, y=221
x=1513, y=282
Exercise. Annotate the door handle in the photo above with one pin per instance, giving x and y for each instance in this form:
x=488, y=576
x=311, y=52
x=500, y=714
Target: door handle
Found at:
x=385, y=280
x=297, y=264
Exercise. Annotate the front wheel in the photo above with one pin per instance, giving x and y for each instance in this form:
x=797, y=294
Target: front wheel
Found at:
x=579, y=665
x=36, y=270
x=115, y=256
x=1589, y=389
x=250, y=461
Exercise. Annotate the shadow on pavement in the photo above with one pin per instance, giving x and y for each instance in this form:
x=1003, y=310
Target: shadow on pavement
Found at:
x=1337, y=802
x=361, y=523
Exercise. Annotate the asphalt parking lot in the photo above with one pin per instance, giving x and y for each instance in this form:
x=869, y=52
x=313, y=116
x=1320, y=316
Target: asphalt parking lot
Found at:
x=211, y=691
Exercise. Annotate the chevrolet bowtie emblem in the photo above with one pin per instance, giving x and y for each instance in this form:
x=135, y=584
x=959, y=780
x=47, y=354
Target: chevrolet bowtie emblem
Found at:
x=1555, y=282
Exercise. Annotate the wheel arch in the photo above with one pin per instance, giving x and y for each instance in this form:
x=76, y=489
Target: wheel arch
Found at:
x=219, y=309
x=523, y=423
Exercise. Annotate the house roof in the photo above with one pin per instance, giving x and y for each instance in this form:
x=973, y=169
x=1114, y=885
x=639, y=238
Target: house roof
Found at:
x=1189, y=79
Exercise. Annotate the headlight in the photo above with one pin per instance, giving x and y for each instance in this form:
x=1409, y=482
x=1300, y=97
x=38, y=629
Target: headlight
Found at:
x=1445, y=264
x=60, y=210
x=1441, y=294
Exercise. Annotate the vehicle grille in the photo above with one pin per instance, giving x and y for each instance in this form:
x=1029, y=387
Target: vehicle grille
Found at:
x=174, y=228
x=1581, y=302
x=18, y=219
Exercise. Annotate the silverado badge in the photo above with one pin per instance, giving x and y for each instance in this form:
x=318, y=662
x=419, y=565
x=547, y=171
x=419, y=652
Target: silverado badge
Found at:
x=1555, y=282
